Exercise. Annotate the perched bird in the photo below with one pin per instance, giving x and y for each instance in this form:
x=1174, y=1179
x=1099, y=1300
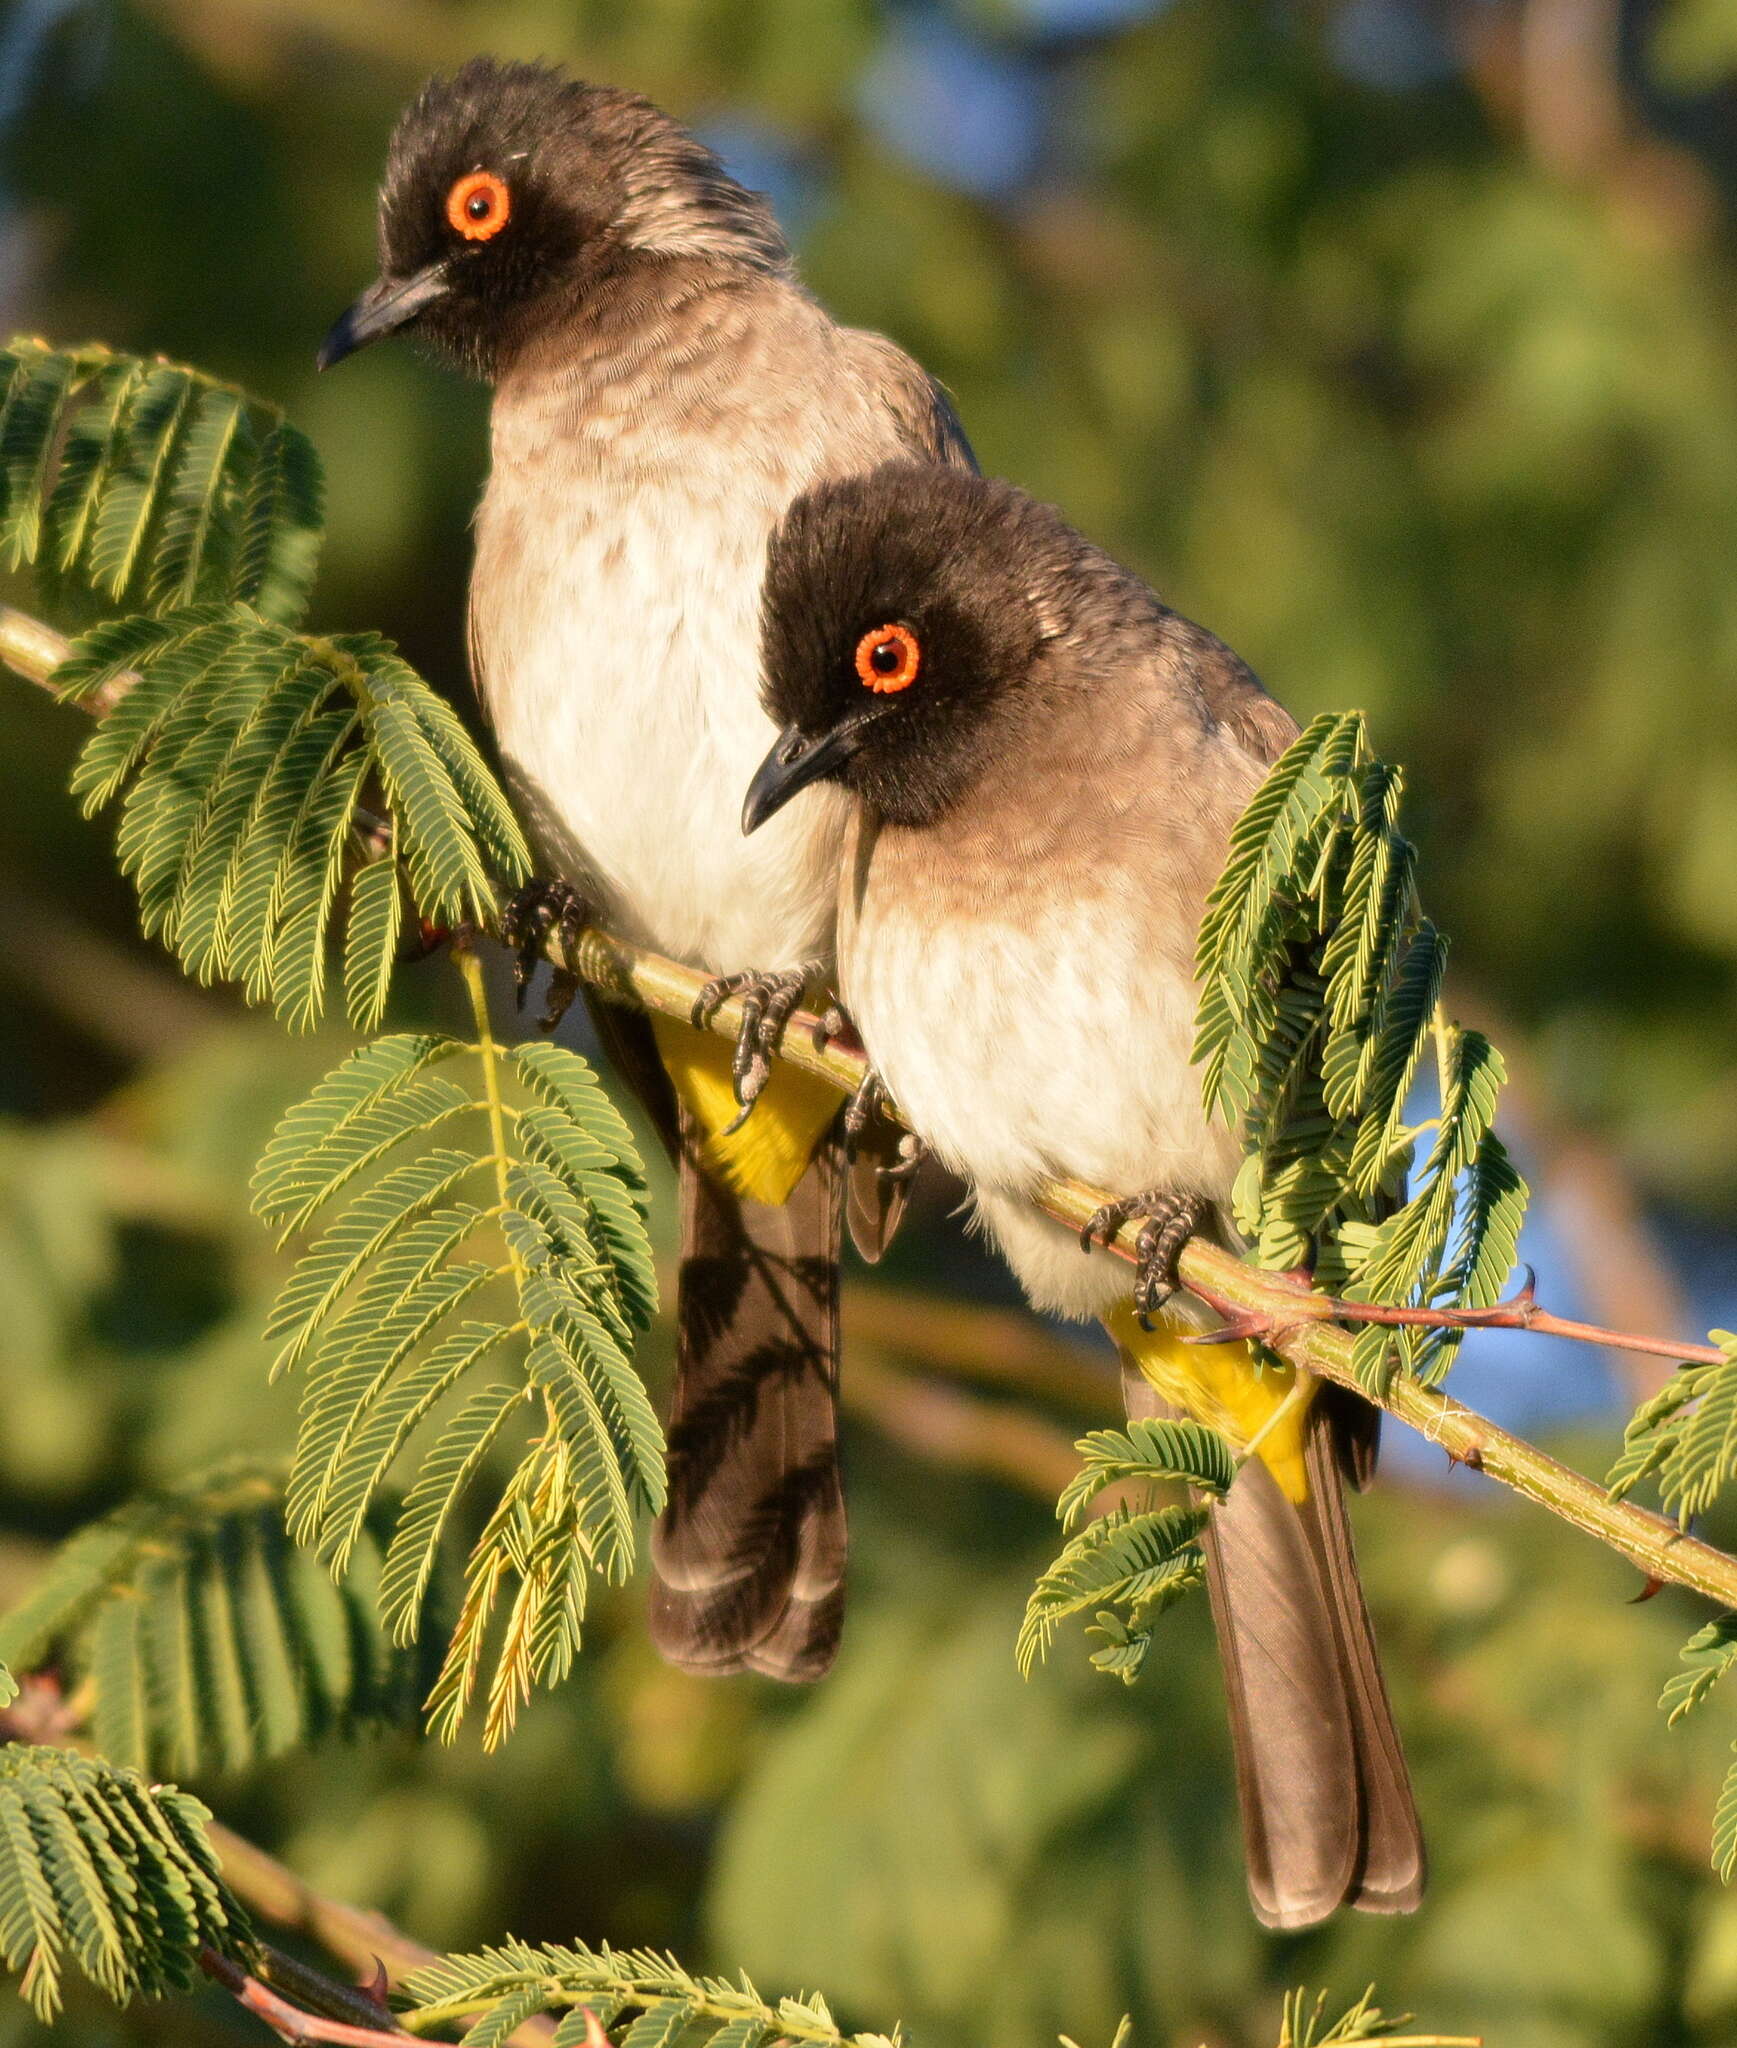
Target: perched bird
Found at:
x=1047, y=763
x=663, y=389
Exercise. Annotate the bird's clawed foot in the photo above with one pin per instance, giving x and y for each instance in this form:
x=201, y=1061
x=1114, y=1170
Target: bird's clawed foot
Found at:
x=539, y=909
x=1170, y=1220
x=864, y=1106
x=768, y=1000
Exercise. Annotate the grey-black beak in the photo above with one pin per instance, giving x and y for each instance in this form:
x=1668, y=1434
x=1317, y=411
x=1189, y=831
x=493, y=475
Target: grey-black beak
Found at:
x=794, y=762
x=388, y=304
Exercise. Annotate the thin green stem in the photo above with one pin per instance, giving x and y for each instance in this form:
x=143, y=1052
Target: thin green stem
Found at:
x=470, y=968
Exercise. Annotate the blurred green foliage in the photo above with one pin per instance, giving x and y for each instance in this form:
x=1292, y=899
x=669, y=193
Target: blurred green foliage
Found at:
x=1426, y=405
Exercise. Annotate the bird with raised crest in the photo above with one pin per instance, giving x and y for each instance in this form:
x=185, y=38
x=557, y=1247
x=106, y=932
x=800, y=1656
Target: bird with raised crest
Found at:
x=664, y=388
x=1047, y=764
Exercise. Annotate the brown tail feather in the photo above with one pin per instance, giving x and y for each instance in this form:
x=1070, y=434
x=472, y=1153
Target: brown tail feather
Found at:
x=748, y=1557
x=1327, y=1811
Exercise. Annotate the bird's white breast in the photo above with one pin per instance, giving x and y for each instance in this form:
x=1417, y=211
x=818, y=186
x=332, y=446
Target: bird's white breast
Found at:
x=1033, y=1026
x=615, y=618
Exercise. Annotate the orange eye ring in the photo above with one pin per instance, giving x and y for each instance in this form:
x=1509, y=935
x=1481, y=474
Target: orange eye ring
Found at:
x=888, y=659
x=478, y=205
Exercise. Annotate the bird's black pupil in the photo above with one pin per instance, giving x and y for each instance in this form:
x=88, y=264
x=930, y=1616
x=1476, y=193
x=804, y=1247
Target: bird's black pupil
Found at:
x=479, y=206
x=886, y=657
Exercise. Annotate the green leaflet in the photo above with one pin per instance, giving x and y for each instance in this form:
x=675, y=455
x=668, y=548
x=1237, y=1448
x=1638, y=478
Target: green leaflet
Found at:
x=238, y=758
x=1725, y=1826
x=1685, y=1437
x=1320, y=1001
x=443, y=1254
x=1151, y=1450
x=1140, y=1561
x=511, y=1982
x=207, y=1640
x=1707, y=1657
x=152, y=486
x=1305, y=2023
x=108, y=1873
x=371, y=939
x=238, y=749
x=278, y=526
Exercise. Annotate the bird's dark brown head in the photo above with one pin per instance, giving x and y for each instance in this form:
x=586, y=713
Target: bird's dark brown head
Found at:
x=512, y=192
x=902, y=618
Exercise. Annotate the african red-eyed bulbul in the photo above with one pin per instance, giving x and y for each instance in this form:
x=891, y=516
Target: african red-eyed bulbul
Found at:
x=663, y=389
x=1047, y=764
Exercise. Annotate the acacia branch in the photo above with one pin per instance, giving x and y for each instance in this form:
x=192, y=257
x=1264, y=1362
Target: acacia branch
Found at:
x=1301, y=1323
x=1519, y=1312
x=1300, y=1326
x=290, y=2022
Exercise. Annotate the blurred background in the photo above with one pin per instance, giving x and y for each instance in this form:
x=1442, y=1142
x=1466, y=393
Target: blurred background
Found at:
x=1397, y=341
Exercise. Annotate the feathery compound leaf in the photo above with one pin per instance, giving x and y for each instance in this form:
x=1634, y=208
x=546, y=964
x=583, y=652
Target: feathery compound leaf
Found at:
x=1725, y=1826
x=238, y=754
x=1320, y=991
x=1685, y=1437
x=205, y=1638
x=1306, y=2025
x=152, y=486
x=414, y=1286
x=279, y=523
x=1707, y=1657
x=371, y=940
x=1143, y=1562
x=508, y=1984
x=99, y=1869
x=1146, y=1449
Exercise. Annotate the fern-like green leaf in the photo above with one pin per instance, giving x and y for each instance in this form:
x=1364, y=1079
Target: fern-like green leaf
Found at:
x=103, y=1871
x=371, y=940
x=499, y=1988
x=1146, y=1450
x=238, y=756
x=151, y=486
x=1320, y=996
x=1143, y=1562
x=1305, y=2023
x=1707, y=1657
x=279, y=523
x=1685, y=1437
x=197, y=1627
x=1725, y=1826
x=416, y=1282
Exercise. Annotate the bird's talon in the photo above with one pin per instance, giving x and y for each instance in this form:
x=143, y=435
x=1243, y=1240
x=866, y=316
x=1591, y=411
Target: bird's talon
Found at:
x=866, y=1103
x=563, y=987
x=768, y=1000
x=539, y=909
x=912, y=1153
x=1103, y=1223
x=1168, y=1221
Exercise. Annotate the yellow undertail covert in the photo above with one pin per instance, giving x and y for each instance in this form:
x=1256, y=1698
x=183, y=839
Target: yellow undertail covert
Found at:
x=765, y=1159
x=1220, y=1385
